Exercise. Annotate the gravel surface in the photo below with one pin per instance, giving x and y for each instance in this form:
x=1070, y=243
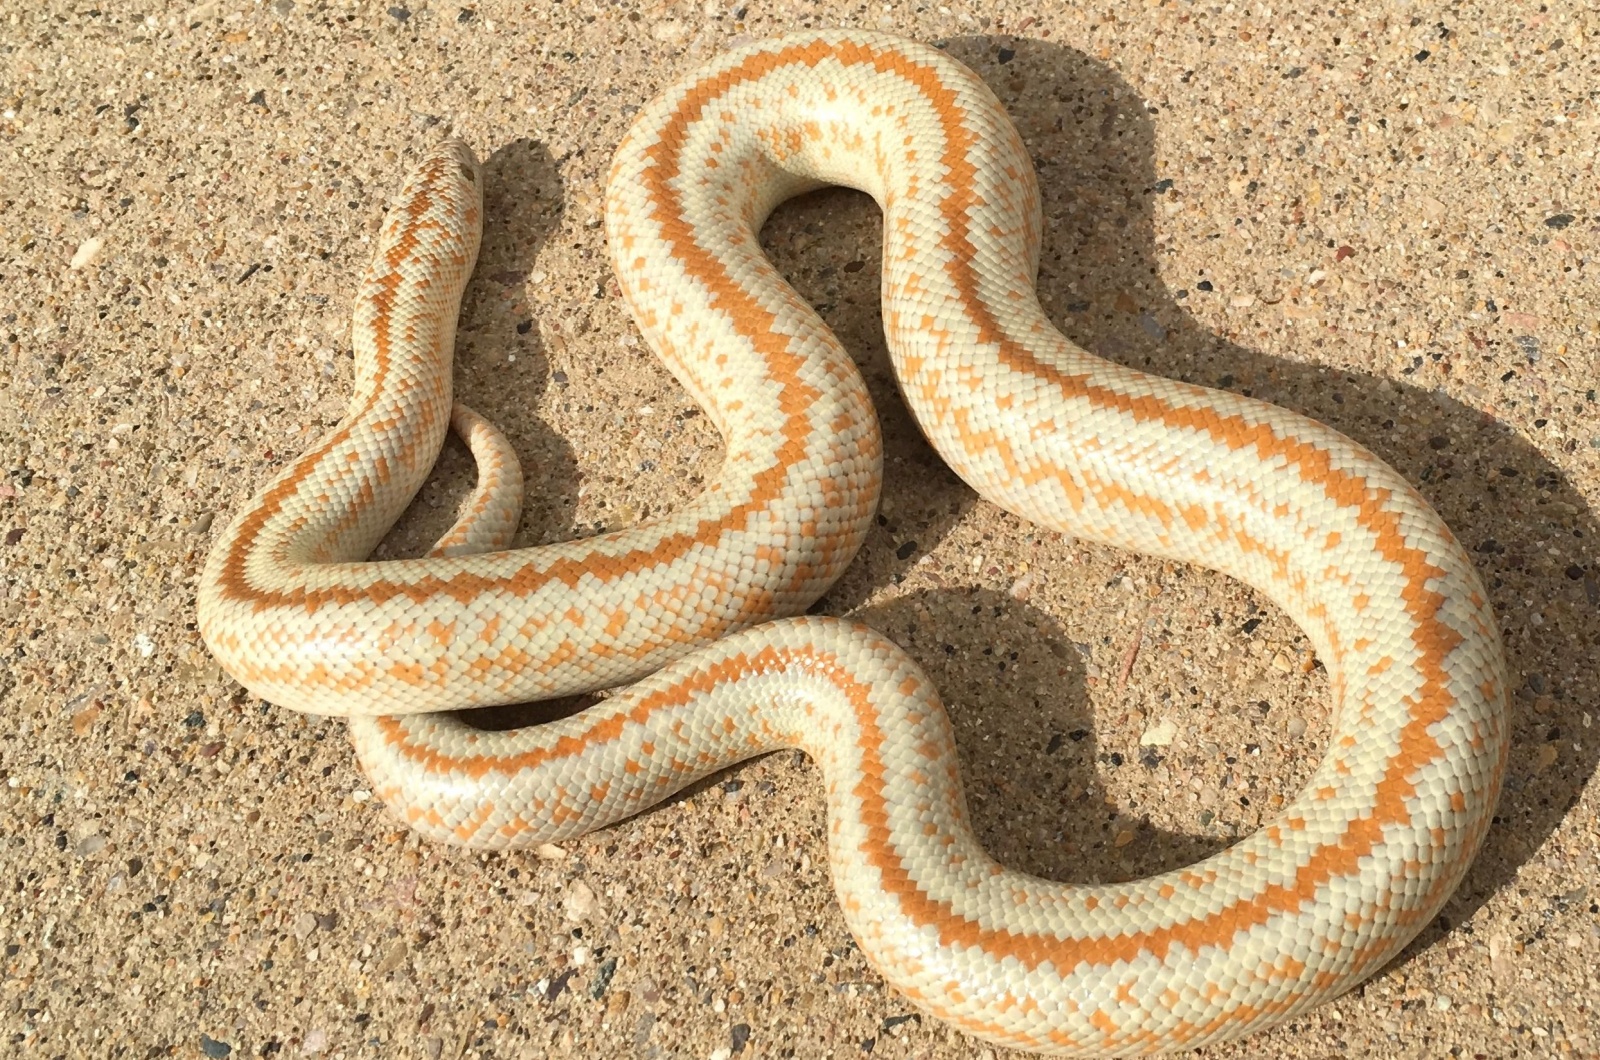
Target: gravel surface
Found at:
x=1381, y=215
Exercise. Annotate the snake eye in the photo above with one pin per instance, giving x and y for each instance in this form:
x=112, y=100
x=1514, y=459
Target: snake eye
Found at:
x=468, y=174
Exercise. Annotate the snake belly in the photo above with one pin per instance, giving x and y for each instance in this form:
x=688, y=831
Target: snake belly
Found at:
x=1293, y=915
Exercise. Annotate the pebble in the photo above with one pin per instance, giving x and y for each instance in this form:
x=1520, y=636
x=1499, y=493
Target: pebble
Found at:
x=87, y=251
x=617, y=1004
x=90, y=845
x=579, y=901
x=1296, y=727
x=1160, y=734
x=1152, y=327
x=214, y=1048
x=393, y=959
x=1545, y=757
x=669, y=31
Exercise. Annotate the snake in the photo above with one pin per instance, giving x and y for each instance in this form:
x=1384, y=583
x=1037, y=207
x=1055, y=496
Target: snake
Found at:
x=700, y=613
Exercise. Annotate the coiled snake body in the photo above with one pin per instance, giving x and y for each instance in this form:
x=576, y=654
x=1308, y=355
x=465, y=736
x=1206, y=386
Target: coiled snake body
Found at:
x=1295, y=914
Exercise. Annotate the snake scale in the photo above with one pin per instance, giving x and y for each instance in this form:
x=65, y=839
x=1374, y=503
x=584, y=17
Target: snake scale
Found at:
x=697, y=607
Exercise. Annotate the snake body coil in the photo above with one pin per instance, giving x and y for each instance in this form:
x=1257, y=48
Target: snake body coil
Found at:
x=1295, y=914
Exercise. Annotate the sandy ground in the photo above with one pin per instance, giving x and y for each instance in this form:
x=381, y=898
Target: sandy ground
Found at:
x=1383, y=215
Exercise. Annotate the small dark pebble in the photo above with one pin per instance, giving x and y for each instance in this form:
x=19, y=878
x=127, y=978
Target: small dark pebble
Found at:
x=906, y=550
x=135, y=866
x=259, y=99
x=738, y=1036
x=213, y=1048
x=731, y=786
x=1077, y=735
x=1574, y=572
x=1422, y=55
x=559, y=376
x=1161, y=187
x=466, y=14
x=328, y=921
x=602, y=978
x=524, y=326
x=1438, y=441
x=1294, y=71
x=868, y=1044
x=891, y=1022
x=399, y=14
x=1005, y=55
x=1560, y=220
x=1054, y=745
x=1204, y=285
x=12, y=949
x=14, y=535
x=1250, y=625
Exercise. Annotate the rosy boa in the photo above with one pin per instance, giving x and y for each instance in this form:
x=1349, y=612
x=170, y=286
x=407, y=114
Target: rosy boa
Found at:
x=1297, y=913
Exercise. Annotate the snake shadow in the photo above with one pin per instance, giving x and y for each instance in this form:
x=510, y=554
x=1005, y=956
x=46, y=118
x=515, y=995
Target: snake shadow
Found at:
x=1529, y=531
x=501, y=368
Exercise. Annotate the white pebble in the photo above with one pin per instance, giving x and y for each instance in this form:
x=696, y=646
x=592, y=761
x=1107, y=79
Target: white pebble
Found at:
x=88, y=250
x=579, y=901
x=1160, y=734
